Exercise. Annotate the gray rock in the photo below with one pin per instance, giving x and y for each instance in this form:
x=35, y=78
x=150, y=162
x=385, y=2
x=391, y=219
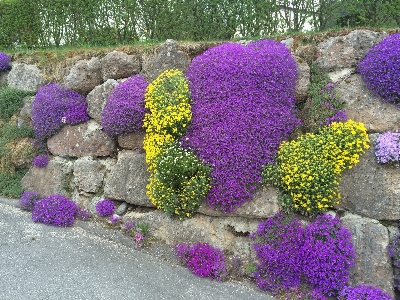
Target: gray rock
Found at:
x=306, y=52
x=263, y=205
x=133, y=140
x=84, y=76
x=4, y=77
x=288, y=43
x=89, y=174
x=25, y=114
x=303, y=80
x=55, y=178
x=122, y=208
x=116, y=65
x=85, y=139
x=168, y=57
x=371, y=189
x=127, y=181
x=97, y=98
x=25, y=77
x=346, y=51
x=373, y=265
x=227, y=233
x=363, y=106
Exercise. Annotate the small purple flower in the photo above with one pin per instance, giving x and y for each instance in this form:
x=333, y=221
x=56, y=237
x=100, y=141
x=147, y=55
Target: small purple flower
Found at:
x=363, y=292
x=5, y=60
x=41, y=160
x=82, y=214
x=28, y=199
x=105, y=208
x=388, y=148
x=115, y=219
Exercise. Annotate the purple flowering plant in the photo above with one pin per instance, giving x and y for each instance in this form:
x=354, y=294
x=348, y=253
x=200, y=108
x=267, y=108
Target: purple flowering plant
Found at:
x=27, y=200
x=138, y=231
x=380, y=69
x=105, y=208
x=55, y=210
x=114, y=219
x=5, y=60
x=243, y=107
x=54, y=105
x=124, y=109
x=363, y=292
x=40, y=160
x=82, y=214
x=387, y=148
x=202, y=259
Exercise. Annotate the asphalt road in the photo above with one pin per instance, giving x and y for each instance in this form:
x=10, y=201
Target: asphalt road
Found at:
x=87, y=261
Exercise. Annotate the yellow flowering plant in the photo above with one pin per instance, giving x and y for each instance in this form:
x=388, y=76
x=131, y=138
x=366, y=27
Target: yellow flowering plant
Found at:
x=308, y=170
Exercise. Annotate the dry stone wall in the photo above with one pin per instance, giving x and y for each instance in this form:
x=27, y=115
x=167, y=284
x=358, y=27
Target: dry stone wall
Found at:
x=87, y=166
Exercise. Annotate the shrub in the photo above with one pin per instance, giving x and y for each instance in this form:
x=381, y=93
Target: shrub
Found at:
x=179, y=183
x=363, y=292
x=308, y=169
x=328, y=254
x=54, y=105
x=380, y=69
x=203, y=260
x=10, y=184
x=387, y=148
x=5, y=60
x=124, y=109
x=41, y=160
x=105, y=208
x=28, y=199
x=323, y=106
x=278, y=241
x=54, y=210
x=138, y=231
x=243, y=107
x=11, y=100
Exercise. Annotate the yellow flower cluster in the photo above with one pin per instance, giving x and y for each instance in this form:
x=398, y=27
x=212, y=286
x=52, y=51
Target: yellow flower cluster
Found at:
x=308, y=170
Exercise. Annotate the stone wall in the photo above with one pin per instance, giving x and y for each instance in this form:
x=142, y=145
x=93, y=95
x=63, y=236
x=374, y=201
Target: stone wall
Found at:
x=87, y=166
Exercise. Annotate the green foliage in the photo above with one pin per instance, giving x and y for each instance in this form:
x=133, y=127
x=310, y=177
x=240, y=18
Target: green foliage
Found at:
x=308, y=170
x=11, y=101
x=11, y=132
x=10, y=184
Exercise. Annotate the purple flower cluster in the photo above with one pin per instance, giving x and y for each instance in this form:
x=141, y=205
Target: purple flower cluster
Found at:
x=115, y=219
x=54, y=210
x=41, y=160
x=138, y=231
x=105, y=208
x=82, y=214
x=54, y=105
x=27, y=200
x=202, y=260
x=380, y=69
x=124, y=110
x=5, y=60
x=243, y=107
x=339, y=116
x=363, y=292
x=387, y=148
x=320, y=255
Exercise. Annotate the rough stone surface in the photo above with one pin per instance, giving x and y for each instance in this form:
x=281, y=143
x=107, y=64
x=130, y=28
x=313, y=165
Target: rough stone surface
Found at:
x=127, y=181
x=25, y=114
x=84, y=76
x=132, y=140
x=89, y=174
x=25, y=77
x=227, y=233
x=85, y=139
x=116, y=65
x=303, y=80
x=373, y=264
x=346, y=51
x=4, y=77
x=371, y=189
x=51, y=179
x=168, y=57
x=306, y=52
x=263, y=205
x=288, y=43
x=363, y=106
x=97, y=98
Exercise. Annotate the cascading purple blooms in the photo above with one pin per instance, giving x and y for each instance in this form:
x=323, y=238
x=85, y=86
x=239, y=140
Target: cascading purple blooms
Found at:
x=243, y=107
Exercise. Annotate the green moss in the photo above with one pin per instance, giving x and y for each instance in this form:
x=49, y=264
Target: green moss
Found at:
x=11, y=101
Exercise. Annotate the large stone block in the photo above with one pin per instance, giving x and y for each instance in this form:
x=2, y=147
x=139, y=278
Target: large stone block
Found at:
x=127, y=181
x=303, y=80
x=85, y=139
x=168, y=57
x=55, y=178
x=133, y=140
x=363, y=106
x=371, y=189
x=89, y=174
x=97, y=98
x=25, y=77
x=373, y=265
x=346, y=51
x=25, y=114
x=116, y=65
